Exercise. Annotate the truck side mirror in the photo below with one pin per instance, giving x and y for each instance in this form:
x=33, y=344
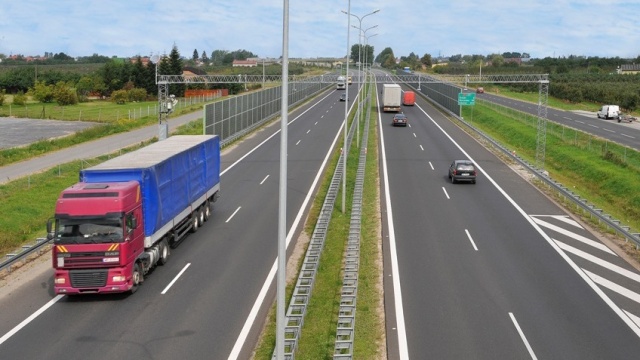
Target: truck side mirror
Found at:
x=50, y=232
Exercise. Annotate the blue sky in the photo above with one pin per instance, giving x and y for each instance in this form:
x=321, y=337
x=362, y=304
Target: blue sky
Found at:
x=605, y=28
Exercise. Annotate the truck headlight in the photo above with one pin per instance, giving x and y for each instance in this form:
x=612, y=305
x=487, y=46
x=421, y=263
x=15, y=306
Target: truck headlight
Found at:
x=60, y=280
x=118, y=278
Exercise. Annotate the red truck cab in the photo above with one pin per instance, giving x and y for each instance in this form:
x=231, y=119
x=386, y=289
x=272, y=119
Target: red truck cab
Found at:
x=98, y=237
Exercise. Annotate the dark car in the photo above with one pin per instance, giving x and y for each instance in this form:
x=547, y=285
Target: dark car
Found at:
x=462, y=170
x=400, y=119
x=343, y=97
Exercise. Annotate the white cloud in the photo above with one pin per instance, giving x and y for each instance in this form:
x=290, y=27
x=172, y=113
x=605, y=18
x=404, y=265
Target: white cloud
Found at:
x=542, y=28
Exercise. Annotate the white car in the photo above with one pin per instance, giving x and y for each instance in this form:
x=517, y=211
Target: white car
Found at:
x=608, y=112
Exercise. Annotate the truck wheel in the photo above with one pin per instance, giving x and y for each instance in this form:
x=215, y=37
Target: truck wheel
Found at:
x=194, y=222
x=200, y=217
x=164, y=252
x=207, y=210
x=136, y=277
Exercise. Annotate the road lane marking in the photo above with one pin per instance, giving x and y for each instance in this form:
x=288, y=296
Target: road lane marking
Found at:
x=613, y=286
x=567, y=118
x=297, y=143
x=430, y=164
x=596, y=260
x=574, y=236
x=445, y=193
x=563, y=218
x=594, y=126
x=633, y=318
x=524, y=338
x=581, y=122
x=265, y=179
x=31, y=317
x=414, y=135
x=175, y=279
x=234, y=214
x=308, y=131
x=471, y=239
x=253, y=314
x=629, y=136
x=611, y=131
x=546, y=237
x=421, y=148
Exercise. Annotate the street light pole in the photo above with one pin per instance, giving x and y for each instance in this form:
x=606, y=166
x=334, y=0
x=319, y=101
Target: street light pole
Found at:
x=344, y=173
x=361, y=35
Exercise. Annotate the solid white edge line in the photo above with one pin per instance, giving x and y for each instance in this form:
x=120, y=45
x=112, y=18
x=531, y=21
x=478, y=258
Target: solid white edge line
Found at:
x=175, y=279
x=242, y=337
x=31, y=317
x=550, y=241
x=403, y=350
x=524, y=338
x=471, y=239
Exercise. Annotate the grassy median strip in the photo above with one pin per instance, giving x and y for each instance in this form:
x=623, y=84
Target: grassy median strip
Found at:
x=317, y=339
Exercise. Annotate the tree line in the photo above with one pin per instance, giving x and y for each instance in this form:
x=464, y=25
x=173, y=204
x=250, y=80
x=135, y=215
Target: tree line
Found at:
x=120, y=80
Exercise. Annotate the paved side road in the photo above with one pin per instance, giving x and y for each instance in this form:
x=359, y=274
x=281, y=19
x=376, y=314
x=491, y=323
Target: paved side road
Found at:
x=87, y=150
x=20, y=132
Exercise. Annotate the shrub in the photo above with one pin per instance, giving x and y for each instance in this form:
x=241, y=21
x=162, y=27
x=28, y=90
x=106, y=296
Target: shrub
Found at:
x=20, y=98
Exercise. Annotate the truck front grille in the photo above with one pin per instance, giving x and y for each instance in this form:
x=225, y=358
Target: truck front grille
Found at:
x=88, y=278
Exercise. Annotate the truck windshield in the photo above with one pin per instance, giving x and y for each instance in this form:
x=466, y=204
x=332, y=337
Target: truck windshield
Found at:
x=88, y=231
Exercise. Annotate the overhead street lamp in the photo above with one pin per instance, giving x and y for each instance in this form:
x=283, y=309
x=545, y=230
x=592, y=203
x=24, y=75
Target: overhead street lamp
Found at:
x=361, y=35
x=360, y=18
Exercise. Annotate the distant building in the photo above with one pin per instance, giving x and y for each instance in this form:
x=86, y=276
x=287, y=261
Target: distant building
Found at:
x=629, y=69
x=245, y=63
x=144, y=59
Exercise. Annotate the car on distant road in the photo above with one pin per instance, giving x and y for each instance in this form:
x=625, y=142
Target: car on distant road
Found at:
x=343, y=97
x=400, y=119
x=480, y=90
x=462, y=170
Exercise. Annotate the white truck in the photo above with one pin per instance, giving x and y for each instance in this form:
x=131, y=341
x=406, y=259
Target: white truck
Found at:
x=341, y=83
x=391, y=97
x=608, y=112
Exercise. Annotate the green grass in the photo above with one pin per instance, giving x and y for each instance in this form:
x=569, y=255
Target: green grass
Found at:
x=606, y=174
x=31, y=201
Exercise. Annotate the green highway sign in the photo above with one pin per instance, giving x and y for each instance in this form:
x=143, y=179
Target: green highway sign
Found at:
x=466, y=99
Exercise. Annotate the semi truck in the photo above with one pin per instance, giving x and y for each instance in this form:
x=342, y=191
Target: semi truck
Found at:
x=391, y=97
x=124, y=215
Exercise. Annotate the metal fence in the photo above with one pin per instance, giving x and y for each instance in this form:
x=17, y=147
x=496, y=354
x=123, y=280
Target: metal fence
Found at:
x=236, y=116
x=104, y=113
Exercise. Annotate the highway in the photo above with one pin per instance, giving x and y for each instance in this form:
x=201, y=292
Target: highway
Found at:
x=211, y=299
x=493, y=270
x=624, y=133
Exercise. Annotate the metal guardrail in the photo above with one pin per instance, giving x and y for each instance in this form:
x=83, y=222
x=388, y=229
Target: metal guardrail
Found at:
x=583, y=203
x=13, y=258
x=345, y=332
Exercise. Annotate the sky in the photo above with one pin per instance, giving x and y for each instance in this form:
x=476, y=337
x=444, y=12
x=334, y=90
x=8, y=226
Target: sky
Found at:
x=318, y=28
